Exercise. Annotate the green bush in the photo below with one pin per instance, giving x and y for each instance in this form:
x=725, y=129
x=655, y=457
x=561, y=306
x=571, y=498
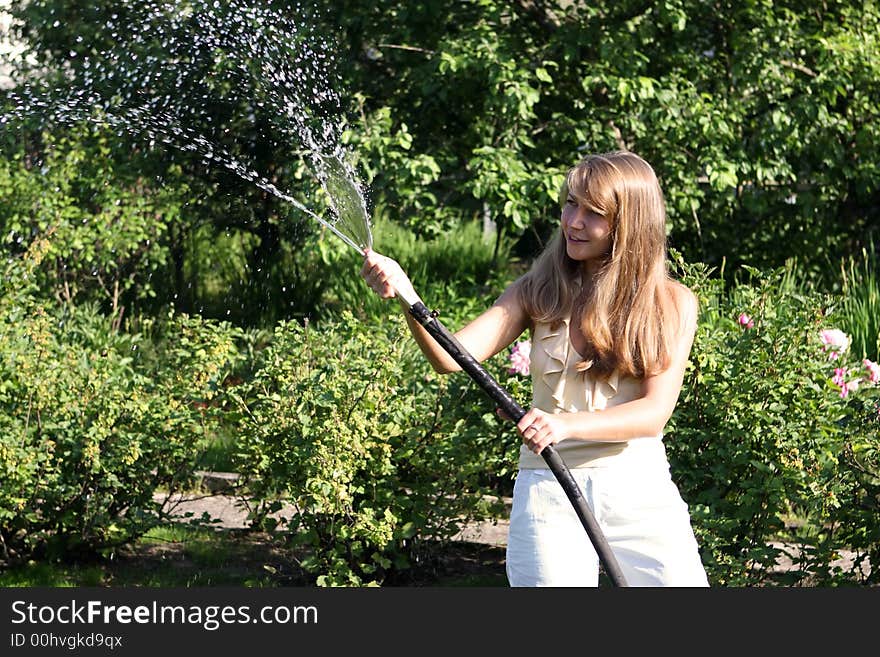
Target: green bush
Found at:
x=109, y=223
x=850, y=517
x=763, y=438
x=379, y=459
x=385, y=460
x=88, y=430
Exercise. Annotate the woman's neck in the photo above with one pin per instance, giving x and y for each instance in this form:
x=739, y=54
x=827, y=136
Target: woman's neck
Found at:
x=589, y=269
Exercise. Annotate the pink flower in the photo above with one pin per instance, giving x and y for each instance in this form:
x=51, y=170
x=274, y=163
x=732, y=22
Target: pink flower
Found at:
x=873, y=370
x=519, y=358
x=839, y=379
x=835, y=341
x=851, y=386
x=745, y=321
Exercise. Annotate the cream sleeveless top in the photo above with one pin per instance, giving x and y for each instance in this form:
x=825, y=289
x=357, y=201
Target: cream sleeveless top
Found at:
x=557, y=387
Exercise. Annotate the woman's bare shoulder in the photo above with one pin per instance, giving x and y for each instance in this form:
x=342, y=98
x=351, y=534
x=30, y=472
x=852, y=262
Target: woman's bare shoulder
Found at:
x=681, y=293
x=512, y=300
x=685, y=302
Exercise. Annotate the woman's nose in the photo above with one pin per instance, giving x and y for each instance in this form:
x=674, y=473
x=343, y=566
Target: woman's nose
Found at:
x=576, y=218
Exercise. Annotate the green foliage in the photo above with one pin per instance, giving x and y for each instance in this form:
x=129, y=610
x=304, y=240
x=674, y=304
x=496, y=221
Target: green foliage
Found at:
x=761, y=433
x=851, y=516
x=376, y=457
x=108, y=228
x=407, y=175
x=758, y=117
x=220, y=98
x=88, y=430
x=455, y=272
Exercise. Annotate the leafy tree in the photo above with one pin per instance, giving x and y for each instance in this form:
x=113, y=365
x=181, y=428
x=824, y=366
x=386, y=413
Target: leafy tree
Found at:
x=759, y=117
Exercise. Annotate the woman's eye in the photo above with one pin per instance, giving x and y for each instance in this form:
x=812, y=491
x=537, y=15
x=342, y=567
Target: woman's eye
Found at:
x=570, y=201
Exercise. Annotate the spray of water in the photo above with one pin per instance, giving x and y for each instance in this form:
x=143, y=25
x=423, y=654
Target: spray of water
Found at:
x=181, y=59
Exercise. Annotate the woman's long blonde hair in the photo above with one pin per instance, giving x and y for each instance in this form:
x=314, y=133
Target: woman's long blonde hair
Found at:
x=629, y=316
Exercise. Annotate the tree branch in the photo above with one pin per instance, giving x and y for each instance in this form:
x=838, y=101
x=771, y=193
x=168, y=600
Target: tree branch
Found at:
x=542, y=14
x=395, y=46
x=798, y=67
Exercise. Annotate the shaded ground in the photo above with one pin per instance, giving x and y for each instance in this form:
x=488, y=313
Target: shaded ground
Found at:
x=256, y=559
x=223, y=552
x=475, y=557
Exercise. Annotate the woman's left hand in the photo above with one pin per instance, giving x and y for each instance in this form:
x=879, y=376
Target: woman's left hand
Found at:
x=539, y=429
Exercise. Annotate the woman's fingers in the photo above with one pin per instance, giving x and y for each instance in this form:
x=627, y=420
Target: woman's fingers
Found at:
x=379, y=272
x=539, y=439
x=531, y=417
x=386, y=277
x=539, y=429
x=533, y=430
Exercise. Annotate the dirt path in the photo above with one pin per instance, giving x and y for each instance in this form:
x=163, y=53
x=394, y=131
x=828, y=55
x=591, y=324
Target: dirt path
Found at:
x=228, y=512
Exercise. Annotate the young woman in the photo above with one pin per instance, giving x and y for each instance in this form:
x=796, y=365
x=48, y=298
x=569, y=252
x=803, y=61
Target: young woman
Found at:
x=611, y=333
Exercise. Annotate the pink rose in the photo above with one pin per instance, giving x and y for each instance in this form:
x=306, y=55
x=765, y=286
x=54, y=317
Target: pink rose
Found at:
x=745, y=321
x=873, y=370
x=835, y=341
x=519, y=358
x=846, y=387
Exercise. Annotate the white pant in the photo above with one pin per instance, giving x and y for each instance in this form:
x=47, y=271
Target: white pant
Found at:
x=639, y=511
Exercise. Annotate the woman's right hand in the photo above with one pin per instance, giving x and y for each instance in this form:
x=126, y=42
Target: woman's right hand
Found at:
x=385, y=276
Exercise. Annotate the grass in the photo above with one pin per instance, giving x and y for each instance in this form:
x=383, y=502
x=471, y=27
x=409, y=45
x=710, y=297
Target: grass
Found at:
x=857, y=287
x=179, y=556
x=167, y=556
x=451, y=268
x=218, y=453
x=860, y=308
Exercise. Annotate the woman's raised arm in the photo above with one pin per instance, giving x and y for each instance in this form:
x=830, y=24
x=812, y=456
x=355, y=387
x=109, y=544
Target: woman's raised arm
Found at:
x=483, y=337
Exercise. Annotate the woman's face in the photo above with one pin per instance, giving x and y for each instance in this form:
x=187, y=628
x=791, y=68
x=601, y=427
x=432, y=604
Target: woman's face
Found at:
x=587, y=233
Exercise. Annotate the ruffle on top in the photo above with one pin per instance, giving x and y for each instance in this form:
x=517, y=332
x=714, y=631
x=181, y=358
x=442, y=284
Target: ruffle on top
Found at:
x=579, y=391
x=558, y=387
